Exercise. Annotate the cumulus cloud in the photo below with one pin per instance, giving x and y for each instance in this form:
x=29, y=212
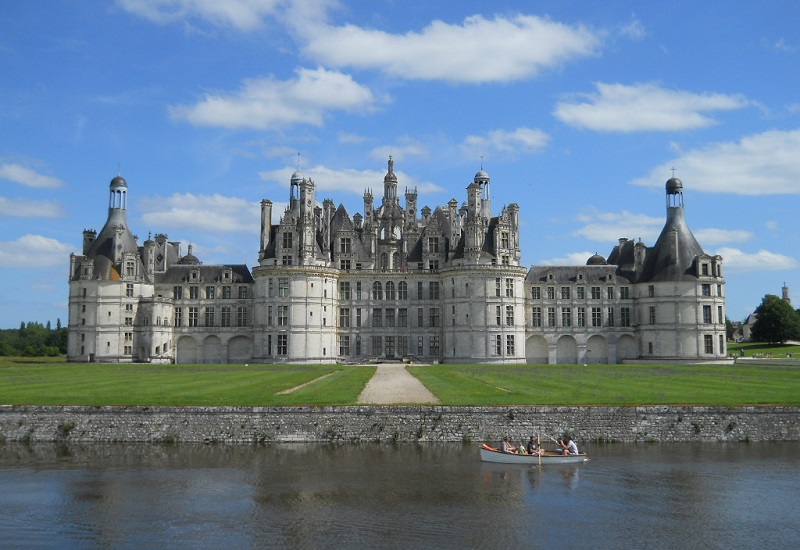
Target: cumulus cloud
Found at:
x=521, y=140
x=27, y=177
x=34, y=251
x=245, y=15
x=203, y=213
x=643, y=107
x=710, y=236
x=349, y=180
x=760, y=164
x=405, y=148
x=763, y=260
x=25, y=208
x=573, y=258
x=478, y=50
x=609, y=227
x=268, y=103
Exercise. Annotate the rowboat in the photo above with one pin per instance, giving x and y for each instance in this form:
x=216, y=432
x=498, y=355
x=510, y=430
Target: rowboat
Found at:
x=490, y=454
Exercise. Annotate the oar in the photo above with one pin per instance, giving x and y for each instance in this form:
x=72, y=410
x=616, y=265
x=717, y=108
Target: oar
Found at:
x=539, y=443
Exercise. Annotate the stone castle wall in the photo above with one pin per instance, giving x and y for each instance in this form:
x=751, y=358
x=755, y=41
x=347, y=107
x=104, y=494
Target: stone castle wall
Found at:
x=402, y=424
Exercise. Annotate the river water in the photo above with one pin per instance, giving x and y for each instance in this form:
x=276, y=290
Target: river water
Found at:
x=397, y=496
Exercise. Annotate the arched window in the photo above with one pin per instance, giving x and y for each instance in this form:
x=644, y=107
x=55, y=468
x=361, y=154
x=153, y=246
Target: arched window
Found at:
x=377, y=292
x=390, y=290
x=402, y=291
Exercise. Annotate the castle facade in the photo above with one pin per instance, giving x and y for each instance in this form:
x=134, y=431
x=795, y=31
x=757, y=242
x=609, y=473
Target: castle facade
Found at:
x=396, y=282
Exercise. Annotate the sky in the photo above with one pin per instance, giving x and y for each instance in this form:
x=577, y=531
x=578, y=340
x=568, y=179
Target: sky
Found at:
x=579, y=112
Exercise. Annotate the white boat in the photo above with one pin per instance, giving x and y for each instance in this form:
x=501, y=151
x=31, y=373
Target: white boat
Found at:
x=490, y=454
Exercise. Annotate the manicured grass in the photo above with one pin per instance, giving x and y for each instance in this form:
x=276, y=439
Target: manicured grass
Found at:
x=37, y=383
x=776, y=351
x=574, y=385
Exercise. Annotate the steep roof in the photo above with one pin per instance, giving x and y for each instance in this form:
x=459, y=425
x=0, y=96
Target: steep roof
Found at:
x=672, y=257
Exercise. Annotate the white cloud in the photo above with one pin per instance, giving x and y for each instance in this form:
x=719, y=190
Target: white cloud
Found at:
x=345, y=137
x=573, y=258
x=25, y=208
x=708, y=237
x=28, y=177
x=268, y=103
x=30, y=251
x=525, y=140
x=643, y=107
x=633, y=30
x=763, y=260
x=348, y=179
x=609, y=227
x=244, y=15
x=203, y=213
x=405, y=148
x=479, y=50
x=759, y=164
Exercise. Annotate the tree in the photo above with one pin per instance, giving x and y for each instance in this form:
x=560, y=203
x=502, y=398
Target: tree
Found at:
x=776, y=321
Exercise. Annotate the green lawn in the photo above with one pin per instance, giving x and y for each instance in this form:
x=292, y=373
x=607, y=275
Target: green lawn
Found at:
x=47, y=382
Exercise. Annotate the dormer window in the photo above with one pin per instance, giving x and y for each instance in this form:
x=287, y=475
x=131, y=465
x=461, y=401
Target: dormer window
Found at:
x=704, y=269
x=226, y=275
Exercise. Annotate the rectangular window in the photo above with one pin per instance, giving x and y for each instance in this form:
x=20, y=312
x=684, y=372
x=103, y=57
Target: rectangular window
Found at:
x=283, y=287
x=624, y=316
x=420, y=295
x=345, y=245
x=434, y=346
x=344, y=345
x=283, y=316
x=358, y=344
x=241, y=316
x=209, y=317
x=193, y=316
x=402, y=345
x=420, y=345
x=344, y=290
x=497, y=287
x=420, y=317
x=210, y=292
x=536, y=293
x=708, y=342
x=287, y=240
x=388, y=348
x=705, y=289
x=565, y=293
x=177, y=292
x=129, y=290
x=651, y=291
x=719, y=290
x=652, y=315
x=551, y=317
x=433, y=290
x=402, y=317
x=536, y=317
x=242, y=292
x=402, y=291
x=225, y=320
x=707, y=315
x=358, y=316
x=624, y=293
x=283, y=344
x=433, y=245
x=720, y=318
x=597, y=319
x=498, y=344
x=566, y=317
x=129, y=269
x=610, y=316
x=551, y=293
x=344, y=265
x=390, y=317
x=510, y=316
x=704, y=269
x=595, y=293
x=509, y=345
x=226, y=292
x=434, y=315
x=194, y=292
x=128, y=321
x=610, y=292
x=377, y=317
x=344, y=317
x=377, y=345
x=581, y=316
x=498, y=315
x=358, y=290
x=504, y=241
x=509, y=288
x=580, y=293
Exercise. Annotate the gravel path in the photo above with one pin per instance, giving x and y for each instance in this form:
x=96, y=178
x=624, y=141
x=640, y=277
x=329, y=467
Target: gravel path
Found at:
x=392, y=384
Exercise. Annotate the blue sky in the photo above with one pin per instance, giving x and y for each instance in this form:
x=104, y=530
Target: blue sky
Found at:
x=578, y=111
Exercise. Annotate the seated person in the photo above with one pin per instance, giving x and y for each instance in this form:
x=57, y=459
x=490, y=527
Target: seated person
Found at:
x=532, y=447
x=508, y=447
x=568, y=447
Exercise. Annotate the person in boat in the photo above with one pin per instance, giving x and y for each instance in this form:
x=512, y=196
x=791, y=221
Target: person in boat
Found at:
x=508, y=447
x=568, y=446
x=532, y=448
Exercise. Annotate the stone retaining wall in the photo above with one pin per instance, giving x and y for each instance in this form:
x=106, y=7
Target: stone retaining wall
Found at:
x=401, y=424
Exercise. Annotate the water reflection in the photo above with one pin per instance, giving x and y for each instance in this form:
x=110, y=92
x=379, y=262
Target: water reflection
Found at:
x=325, y=496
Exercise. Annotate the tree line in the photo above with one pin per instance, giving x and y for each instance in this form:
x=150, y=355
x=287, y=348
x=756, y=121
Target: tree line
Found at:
x=34, y=340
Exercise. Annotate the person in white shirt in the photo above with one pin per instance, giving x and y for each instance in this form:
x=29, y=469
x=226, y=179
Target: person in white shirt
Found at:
x=568, y=447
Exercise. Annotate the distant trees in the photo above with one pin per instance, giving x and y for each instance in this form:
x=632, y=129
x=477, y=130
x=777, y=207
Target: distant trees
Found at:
x=776, y=321
x=33, y=340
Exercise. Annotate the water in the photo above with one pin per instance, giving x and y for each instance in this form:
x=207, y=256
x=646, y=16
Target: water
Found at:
x=405, y=496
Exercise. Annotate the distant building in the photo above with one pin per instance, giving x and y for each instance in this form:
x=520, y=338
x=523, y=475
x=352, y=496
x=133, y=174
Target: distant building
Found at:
x=747, y=326
x=394, y=282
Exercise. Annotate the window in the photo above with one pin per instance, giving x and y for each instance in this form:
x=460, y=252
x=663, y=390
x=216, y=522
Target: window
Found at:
x=225, y=316
x=504, y=241
x=358, y=316
x=510, y=345
x=345, y=245
x=226, y=291
x=551, y=317
x=377, y=291
x=209, y=317
x=192, y=316
x=580, y=293
x=597, y=319
x=565, y=293
x=708, y=342
x=652, y=315
x=433, y=290
x=242, y=292
x=624, y=293
x=705, y=289
x=720, y=318
x=420, y=295
x=129, y=269
x=129, y=290
x=433, y=245
x=128, y=321
x=283, y=344
x=390, y=294
x=581, y=316
x=344, y=317
x=498, y=344
x=377, y=317
x=536, y=293
x=434, y=345
x=358, y=344
x=402, y=345
x=177, y=292
x=241, y=316
x=389, y=317
x=551, y=293
x=704, y=270
x=719, y=290
x=286, y=260
x=566, y=317
x=402, y=291
x=287, y=240
x=498, y=315
x=344, y=290
x=595, y=293
x=434, y=315
x=651, y=291
x=358, y=290
x=510, y=316
x=344, y=265
x=509, y=288
x=377, y=345
x=624, y=316
x=610, y=292
x=707, y=315
x=344, y=344
x=402, y=317
x=283, y=316
x=497, y=287
x=194, y=292
x=610, y=316
x=283, y=287
x=128, y=336
x=536, y=317
x=389, y=347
